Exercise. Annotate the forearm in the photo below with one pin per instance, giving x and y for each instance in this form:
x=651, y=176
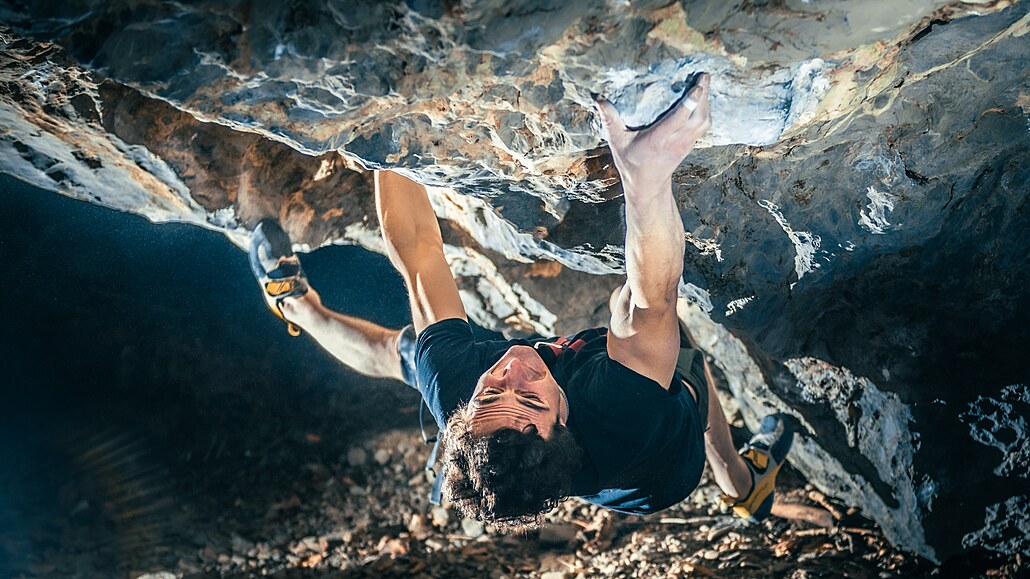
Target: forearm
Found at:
x=406, y=217
x=644, y=325
x=654, y=245
x=415, y=247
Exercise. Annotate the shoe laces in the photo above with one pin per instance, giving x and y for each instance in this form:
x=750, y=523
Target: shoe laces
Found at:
x=766, y=439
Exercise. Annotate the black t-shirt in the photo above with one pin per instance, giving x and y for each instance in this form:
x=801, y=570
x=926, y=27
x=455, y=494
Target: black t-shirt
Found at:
x=644, y=445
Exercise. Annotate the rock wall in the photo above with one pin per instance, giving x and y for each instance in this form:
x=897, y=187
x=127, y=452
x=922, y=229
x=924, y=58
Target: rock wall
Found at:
x=856, y=219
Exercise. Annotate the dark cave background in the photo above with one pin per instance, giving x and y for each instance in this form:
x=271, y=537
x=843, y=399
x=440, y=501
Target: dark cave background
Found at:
x=142, y=370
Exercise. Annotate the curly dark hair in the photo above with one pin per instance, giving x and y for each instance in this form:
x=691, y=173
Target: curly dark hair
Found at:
x=507, y=478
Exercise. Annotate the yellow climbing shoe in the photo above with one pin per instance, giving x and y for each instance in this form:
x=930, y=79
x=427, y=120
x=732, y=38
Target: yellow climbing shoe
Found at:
x=764, y=454
x=276, y=268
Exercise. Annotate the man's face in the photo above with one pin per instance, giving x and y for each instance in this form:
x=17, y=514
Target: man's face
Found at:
x=516, y=392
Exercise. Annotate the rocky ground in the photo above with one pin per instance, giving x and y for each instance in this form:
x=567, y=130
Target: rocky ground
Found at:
x=227, y=485
x=314, y=507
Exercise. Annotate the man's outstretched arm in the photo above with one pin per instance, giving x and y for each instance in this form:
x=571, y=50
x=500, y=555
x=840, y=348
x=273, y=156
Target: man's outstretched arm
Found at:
x=644, y=333
x=415, y=247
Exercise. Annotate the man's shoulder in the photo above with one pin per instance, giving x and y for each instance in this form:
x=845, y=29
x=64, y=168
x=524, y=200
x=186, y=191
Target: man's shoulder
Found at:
x=585, y=358
x=444, y=335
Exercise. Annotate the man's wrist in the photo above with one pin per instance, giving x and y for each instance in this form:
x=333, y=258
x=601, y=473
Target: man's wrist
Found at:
x=637, y=188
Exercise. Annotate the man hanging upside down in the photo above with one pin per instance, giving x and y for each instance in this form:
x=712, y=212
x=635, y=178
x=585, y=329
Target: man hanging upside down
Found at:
x=622, y=417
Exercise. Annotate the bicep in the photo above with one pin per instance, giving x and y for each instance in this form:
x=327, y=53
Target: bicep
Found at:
x=644, y=339
x=432, y=291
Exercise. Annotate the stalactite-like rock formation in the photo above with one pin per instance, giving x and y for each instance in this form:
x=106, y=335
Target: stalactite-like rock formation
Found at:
x=857, y=219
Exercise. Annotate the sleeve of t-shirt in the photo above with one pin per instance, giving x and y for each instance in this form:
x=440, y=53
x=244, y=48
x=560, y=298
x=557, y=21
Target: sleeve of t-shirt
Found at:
x=448, y=362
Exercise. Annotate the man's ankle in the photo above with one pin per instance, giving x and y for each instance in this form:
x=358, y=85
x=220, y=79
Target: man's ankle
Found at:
x=302, y=310
x=743, y=479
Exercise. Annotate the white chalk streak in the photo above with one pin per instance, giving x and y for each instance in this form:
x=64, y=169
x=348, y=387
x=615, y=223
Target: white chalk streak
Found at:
x=880, y=205
x=805, y=244
x=737, y=305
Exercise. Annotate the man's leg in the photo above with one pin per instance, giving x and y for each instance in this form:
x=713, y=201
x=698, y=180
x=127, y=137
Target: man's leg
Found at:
x=363, y=346
x=728, y=468
x=366, y=347
x=746, y=477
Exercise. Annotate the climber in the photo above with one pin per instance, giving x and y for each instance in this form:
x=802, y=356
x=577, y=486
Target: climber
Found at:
x=622, y=417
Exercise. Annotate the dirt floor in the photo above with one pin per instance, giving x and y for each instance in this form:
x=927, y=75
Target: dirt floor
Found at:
x=309, y=507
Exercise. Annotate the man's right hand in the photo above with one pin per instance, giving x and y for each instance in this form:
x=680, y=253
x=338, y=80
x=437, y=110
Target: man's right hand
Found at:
x=646, y=159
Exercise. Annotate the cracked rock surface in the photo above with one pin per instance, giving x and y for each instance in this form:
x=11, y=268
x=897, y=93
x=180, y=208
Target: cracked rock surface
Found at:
x=857, y=219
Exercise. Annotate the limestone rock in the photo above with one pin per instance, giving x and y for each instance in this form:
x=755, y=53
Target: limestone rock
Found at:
x=856, y=221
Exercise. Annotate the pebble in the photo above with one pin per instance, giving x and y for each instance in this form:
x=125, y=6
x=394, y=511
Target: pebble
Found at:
x=314, y=544
x=262, y=551
x=472, y=528
x=558, y=533
x=419, y=527
x=717, y=532
x=440, y=516
x=554, y=575
x=710, y=554
x=357, y=456
x=157, y=575
x=382, y=456
x=298, y=548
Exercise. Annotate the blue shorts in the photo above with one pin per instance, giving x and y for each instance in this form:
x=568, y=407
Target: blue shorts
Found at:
x=406, y=348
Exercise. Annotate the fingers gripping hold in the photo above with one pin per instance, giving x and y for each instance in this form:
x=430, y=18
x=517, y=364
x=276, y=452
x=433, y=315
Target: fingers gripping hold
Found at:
x=611, y=120
x=683, y=110
x=697, y=103
x=649, y=155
